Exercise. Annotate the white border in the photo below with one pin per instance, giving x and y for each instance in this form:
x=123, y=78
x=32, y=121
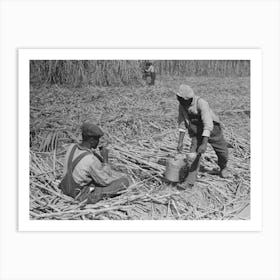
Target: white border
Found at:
x=254, y=224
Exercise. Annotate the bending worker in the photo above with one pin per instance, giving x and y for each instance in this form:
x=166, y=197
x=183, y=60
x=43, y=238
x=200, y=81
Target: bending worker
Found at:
x=87, y=175
x=203, y=127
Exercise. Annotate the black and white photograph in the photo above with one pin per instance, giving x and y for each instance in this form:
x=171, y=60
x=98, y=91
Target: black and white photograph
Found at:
x=139, y=139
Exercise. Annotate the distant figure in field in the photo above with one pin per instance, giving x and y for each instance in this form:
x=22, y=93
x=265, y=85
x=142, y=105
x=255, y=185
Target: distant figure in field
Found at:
x=203, y=127
x=150, y=70
x=87, y=174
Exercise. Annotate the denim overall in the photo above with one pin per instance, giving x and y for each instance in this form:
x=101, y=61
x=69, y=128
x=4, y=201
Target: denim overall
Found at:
x=216, y=140
x=80, y=193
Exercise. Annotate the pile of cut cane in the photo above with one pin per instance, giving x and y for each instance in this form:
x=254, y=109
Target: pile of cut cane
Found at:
x=142, y=135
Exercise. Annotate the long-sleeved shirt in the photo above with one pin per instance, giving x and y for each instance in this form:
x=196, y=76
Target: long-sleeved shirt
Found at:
x=89, y=168
x=151, y=69
x=198, y=107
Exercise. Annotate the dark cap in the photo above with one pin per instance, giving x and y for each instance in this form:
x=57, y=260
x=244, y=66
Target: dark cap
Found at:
x=91, y=130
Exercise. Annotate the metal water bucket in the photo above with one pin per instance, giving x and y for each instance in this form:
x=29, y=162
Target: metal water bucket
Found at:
x=175, y=168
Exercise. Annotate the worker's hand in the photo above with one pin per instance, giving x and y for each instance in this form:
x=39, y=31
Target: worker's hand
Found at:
x=104, y=151
x=180, y=147
x=202, y=148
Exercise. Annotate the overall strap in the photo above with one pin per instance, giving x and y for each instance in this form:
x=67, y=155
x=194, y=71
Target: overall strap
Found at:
x=98, y=156
x=70, y=158
x=78, y=158
x=68, y=184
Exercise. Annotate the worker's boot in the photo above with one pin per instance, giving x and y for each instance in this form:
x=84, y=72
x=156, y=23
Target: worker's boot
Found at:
x=224, y=173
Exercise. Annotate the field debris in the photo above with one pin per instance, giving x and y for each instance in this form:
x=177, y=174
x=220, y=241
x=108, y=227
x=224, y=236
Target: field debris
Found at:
x=141, y=133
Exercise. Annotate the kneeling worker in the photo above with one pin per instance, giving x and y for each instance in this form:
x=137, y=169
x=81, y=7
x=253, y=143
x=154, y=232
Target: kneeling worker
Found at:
x=87, y=176
x=203, y=127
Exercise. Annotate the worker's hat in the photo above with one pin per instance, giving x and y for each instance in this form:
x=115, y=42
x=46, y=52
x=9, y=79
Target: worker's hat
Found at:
x=91, y=130
x=185, y=92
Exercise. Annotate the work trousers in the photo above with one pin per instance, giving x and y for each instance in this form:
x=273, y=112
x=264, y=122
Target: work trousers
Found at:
x=216, y=140
x=99, y=192
x=153, y=77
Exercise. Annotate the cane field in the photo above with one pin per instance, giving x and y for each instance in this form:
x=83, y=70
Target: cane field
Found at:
x=140, y=125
